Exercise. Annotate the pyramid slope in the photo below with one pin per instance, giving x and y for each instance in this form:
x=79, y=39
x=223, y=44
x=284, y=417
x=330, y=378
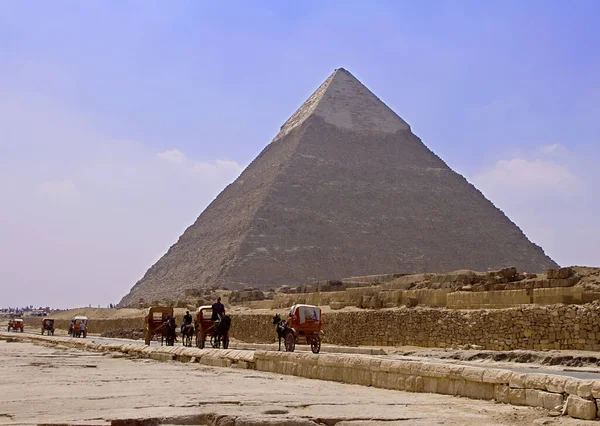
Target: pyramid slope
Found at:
x=345, y=189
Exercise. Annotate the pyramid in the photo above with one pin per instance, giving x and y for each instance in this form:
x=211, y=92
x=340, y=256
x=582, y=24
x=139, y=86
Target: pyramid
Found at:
x=344, y=189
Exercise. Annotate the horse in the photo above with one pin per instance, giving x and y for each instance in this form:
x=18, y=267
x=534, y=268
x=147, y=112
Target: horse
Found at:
x=281, y=326
x=169, y=330
x=187, y=333
x=220, y=332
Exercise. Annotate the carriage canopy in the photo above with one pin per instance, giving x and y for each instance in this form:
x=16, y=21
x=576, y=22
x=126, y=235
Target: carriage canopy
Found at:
x=80, y=319
x=302, y=313
x=18, y=320
x=204, y=312
x=158, y=314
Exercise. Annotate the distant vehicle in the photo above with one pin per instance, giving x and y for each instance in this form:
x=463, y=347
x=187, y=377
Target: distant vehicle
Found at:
x=48, y=326
x=75, y=329
x=304, y=321
x=155, y=318
x=15, y=324
x=206, y=327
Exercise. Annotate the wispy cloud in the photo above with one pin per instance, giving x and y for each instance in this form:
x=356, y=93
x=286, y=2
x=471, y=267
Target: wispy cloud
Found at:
x=548, y=149
x=553, y=201
x=173, y=155
x=534, y=177
x=121, y=205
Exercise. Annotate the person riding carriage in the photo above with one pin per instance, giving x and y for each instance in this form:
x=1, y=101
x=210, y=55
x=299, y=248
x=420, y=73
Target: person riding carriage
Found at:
x=212, y=323
x=187, y=320
x=218, y=310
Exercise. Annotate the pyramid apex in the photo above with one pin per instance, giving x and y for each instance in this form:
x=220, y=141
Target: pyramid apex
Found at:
x=342, y=100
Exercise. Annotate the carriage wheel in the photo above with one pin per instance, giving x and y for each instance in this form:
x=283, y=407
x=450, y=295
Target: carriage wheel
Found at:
x=226, y=341
x=315, y=344
x=290, y=342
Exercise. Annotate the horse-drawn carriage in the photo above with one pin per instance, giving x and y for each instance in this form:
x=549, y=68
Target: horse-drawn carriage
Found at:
x=205, y=326
x=48, y=326
x=304, y=321
x=78, y=327
x=156, y=317
x=15, y=324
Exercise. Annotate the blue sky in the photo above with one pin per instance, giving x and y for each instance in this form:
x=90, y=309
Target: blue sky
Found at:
x=120, y=122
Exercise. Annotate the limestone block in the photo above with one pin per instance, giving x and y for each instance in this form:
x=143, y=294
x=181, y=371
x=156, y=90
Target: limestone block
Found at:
x=517, y=380
x=333, y=361
x=596, y=389
x=571, y=386
x=584, y=390
x=494, y=375
x=192, y=352
x=473, y=374
x=387, y=365
x=305, y=358
x=374, y=364
x=536, y=381
x=215, y=361
x=448, y=386
x=581, y=408
x=430, y=384
x=161, y=356
x=478, y=390
x=389, y=380
x=261, y=365
x=400, y=383
x=414, y=384
x=407, y=368
x=502, y=393
x=538, y=398
x=517, y=396
x=454, y=372
x=556, y=384
x=239, y=364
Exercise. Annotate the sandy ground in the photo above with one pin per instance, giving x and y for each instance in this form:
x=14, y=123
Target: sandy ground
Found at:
x=64, y=386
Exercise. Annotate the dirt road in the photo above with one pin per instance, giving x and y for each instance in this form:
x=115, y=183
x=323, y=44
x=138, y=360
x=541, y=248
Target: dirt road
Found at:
x=62, y=386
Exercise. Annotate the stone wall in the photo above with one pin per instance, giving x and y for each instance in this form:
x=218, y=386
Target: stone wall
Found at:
x=528, y=327
x=532, y=327
x=377, y=297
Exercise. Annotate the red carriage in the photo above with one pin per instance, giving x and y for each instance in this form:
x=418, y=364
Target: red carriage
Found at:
x=207, y=327
x=16, y=324
x=154, y=324
x=304, y=322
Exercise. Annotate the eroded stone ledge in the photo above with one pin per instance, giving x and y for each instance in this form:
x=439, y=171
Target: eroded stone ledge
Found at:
x=574, y=397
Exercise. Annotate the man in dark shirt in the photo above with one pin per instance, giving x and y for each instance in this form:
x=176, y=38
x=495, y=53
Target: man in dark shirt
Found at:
x=218, y=310
x=187, y=319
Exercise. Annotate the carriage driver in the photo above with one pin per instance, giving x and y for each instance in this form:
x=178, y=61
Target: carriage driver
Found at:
x=218, y=310
x=187, y=319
